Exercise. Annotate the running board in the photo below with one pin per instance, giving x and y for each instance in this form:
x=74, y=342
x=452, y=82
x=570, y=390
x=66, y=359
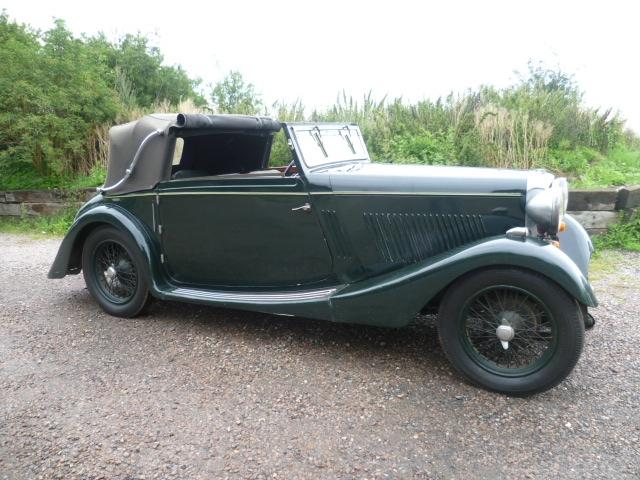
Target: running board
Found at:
x=258, y=298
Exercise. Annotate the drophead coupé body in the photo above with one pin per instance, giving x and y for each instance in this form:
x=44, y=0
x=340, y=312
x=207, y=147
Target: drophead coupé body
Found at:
x=192, y=211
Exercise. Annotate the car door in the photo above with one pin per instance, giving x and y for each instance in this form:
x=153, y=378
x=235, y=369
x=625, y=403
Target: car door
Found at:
x=234, y=231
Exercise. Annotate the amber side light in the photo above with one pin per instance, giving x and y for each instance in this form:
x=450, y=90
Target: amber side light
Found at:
x=563, y=227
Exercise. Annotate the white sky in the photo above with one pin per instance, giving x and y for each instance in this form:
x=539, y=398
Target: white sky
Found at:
x=417, y=49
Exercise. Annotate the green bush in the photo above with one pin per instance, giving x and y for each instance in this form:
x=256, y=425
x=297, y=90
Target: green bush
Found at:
x=425, y=147
x=57, y=91
x=620, y=166
x=52, y=95
x=23, y=176
x=573, y=163
x=625, y=235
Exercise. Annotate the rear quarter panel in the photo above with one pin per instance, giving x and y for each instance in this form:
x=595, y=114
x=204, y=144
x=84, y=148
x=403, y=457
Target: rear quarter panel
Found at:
x=69, y=256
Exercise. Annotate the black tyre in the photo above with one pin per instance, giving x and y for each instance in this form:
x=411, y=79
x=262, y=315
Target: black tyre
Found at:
x=511, y=331
x=113, y=270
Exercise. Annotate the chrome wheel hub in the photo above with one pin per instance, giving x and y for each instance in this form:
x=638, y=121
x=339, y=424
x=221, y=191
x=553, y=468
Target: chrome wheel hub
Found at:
x=115, y=272
x=110, y=274
x=505, y=334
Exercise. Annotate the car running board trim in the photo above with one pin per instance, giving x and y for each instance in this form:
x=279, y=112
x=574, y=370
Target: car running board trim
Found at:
x=253, y=297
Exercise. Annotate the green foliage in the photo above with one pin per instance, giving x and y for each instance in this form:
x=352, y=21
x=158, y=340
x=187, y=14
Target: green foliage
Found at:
x=234, y=95
x=620, y=166
x=58, y=91
x=95, y=178
x=138, y=71
x=624, y=235
x=52, y=94
x=280, y=151
x=23, y=176
x=577, y=160
x=553, y=97
x=540, y=122
x=424, y=147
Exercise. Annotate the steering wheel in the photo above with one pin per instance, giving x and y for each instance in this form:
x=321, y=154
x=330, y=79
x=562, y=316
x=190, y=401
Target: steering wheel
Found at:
x=286, y=170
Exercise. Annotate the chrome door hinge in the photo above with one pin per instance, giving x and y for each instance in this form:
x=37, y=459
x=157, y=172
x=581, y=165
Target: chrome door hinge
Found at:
x=162, y=258
x=159, y=229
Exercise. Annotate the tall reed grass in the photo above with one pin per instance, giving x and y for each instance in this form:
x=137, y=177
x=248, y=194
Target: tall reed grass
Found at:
x=528, y=126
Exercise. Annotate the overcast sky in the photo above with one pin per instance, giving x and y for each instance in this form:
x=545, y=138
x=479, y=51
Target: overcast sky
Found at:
x=313, y=50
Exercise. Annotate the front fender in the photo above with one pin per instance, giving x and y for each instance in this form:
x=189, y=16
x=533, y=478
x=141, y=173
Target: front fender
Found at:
x=575, y=242
x=69, y=257
x=395, y=298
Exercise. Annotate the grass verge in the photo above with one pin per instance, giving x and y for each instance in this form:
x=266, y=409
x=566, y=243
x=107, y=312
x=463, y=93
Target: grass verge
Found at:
x=604, y=263
x=53, y=225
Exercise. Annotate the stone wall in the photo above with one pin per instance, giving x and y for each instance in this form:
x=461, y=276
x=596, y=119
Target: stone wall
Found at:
x=41, y=202
x=595, y=209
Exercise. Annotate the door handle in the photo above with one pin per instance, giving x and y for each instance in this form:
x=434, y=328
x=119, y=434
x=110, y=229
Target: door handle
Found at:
x=305, y=208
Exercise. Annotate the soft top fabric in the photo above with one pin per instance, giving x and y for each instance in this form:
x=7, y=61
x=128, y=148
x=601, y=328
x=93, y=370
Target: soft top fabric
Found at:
x=154, y=163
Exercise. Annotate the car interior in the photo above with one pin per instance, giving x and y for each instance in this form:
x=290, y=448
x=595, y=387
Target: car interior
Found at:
x=228, y=155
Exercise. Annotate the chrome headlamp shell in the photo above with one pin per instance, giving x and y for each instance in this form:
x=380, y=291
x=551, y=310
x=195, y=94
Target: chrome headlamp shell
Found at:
x=561, y=184
x=546, y=207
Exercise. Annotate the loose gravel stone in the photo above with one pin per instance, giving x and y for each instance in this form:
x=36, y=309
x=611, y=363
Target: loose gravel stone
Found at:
x=196, y=392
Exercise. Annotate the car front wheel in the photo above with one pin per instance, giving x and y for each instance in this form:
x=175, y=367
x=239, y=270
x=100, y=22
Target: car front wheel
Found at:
x=113, y=270
x=511, y=331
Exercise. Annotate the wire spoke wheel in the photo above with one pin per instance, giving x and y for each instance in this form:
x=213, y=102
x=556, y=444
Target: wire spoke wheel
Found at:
x=115, y=272
x=511, y=330
x=507, y=330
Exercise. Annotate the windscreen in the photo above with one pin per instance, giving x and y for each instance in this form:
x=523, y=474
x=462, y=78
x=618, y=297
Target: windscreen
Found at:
x=323, y=144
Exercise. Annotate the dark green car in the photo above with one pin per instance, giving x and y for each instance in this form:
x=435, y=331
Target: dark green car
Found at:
x=192, y=211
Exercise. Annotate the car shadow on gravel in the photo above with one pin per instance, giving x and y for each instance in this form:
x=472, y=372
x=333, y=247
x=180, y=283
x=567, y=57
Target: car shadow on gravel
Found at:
x=416, y=343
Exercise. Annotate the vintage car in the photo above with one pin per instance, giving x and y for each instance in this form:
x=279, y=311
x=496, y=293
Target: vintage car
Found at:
x=192, y=211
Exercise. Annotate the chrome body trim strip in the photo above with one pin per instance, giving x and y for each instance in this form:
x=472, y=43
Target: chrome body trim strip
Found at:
x=254, y=297
x=418, y=194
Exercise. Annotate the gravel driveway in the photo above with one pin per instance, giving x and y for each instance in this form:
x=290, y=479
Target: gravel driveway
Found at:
x=197, y=392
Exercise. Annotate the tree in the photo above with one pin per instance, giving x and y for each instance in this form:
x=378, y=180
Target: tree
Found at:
x=133, y=61
x=234, y=95
x=57, y=90
x=52, y=94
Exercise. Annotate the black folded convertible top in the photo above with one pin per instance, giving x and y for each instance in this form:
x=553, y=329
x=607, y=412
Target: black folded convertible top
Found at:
x=197, y=121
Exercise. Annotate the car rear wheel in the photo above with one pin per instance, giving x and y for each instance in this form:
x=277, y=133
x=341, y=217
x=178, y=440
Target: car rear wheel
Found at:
x=113, y=270
x=511, y=331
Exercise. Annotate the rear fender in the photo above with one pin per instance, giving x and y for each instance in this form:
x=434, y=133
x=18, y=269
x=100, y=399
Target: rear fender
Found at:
x=69, y=258
x=394, y=299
